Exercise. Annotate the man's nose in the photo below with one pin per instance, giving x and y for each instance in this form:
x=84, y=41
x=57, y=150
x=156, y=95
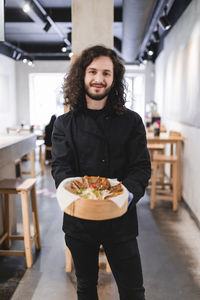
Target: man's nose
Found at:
x=99, y=77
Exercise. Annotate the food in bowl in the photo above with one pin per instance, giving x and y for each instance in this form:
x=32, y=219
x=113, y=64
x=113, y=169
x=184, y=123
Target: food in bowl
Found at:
x=94, y=188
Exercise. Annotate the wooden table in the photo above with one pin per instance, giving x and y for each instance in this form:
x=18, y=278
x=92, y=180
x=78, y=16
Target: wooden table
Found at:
x=164, y=138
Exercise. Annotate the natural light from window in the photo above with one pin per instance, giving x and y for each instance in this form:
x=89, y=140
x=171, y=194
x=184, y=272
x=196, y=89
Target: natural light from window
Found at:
x=46, y=97
x=135, y=93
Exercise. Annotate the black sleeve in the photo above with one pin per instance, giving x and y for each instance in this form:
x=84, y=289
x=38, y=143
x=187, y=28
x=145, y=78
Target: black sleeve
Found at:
x=139, y=166
x=62, y=152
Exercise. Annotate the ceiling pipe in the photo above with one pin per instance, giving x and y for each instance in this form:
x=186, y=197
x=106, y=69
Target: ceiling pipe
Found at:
x=48, y=18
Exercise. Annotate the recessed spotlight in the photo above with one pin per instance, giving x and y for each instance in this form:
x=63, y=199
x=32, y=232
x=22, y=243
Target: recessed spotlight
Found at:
x=71, y=54
x=25, y=60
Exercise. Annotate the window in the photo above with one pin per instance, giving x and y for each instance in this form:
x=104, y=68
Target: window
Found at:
x=135, y=93
x=46, y=97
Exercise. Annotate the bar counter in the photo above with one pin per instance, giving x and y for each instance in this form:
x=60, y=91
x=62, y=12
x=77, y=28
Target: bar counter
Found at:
x=12, y=147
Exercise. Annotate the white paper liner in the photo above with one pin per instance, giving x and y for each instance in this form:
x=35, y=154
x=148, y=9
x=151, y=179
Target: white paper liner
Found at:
x=65, y=198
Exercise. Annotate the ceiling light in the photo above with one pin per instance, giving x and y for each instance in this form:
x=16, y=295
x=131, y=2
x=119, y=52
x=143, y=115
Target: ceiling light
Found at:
x=18, y=56
x=150, y=50
x=71, y=54
x=26, y=8
x=156, y=37
x=47, y=26
x=14, y=54
x=164, y=23
x=30, y=63
x=64, y=49
x=25, y=60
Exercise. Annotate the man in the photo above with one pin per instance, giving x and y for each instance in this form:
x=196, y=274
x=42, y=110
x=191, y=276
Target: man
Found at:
x=100, y=137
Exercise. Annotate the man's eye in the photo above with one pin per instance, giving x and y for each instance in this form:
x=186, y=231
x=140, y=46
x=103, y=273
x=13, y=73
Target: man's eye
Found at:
x=92, y=72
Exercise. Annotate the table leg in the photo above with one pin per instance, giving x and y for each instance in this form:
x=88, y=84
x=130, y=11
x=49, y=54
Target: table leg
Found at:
x=179, y=163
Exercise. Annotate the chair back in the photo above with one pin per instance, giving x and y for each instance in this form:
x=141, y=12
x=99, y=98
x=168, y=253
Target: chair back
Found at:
x=174, y=133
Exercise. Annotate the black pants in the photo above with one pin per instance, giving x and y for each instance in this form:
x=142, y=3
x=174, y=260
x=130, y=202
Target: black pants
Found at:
x=124, y=260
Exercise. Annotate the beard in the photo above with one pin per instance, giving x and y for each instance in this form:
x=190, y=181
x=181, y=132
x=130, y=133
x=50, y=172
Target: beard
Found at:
x=96, y=96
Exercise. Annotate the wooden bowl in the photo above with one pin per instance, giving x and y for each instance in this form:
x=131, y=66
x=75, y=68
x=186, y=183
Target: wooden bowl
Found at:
x=96, y=209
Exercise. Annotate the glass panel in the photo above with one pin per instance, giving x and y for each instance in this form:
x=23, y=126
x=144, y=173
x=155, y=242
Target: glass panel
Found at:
x=46, y=98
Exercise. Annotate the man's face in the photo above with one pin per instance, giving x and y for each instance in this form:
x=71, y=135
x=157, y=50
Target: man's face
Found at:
x=99, y=78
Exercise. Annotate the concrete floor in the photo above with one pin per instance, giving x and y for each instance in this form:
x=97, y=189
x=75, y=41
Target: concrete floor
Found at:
x=169, y=245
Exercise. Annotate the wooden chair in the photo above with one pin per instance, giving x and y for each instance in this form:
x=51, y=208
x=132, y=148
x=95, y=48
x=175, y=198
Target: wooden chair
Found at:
x=21, y=187
x=169, y=193
x=68, y=265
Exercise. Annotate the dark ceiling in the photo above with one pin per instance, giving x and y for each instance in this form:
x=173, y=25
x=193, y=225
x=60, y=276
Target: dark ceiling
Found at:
x=41, y=33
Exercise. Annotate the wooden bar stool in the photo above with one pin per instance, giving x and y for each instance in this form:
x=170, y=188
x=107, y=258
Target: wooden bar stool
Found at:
x=160, y=149
x=31, y=156
x=21, y=187
x=155, y=148
x=68, y=264
x=164, y=194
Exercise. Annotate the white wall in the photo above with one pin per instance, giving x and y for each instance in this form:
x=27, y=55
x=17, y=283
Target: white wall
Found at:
x=22, y=82
x=7, y=93
x=177, y=92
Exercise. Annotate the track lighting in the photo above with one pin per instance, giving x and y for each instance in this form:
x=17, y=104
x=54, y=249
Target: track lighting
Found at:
x=150, y=50
x=164, y=23
x=14, y=54
x=156, y=37
x=18, y=56
x=144, y=58
x=26, y=7
x=47, y=26
x=64, y=49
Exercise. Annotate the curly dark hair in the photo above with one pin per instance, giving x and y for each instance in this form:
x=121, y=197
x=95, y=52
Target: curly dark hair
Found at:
x=73, y=88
